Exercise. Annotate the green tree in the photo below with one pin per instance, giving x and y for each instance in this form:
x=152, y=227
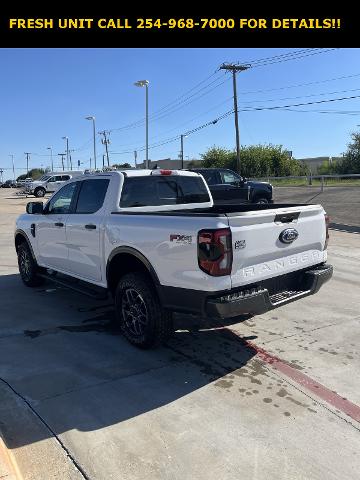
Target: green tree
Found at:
x=256, y=161
x=351, y=158
x=34, y=173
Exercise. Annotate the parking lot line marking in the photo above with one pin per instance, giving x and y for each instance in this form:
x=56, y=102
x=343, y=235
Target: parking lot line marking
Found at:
x=341, y=403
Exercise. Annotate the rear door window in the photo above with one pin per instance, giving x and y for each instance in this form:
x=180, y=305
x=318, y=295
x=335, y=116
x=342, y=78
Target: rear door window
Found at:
x=155, y=191
x=91, y=196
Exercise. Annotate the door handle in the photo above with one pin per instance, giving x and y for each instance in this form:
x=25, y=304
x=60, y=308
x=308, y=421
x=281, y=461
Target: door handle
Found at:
x=59, y=224
x=90, y=226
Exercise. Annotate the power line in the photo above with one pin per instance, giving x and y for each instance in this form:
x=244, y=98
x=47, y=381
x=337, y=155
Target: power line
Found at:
x=302, y=84
x=300, y=104
x=158, y=115
x=289, y=58
x=302, y=96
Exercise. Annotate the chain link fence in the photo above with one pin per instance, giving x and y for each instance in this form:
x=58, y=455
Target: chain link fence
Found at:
x=319, y=181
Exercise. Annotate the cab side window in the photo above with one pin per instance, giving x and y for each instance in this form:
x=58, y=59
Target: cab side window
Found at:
x=52, y=179
x=229, y=177
x=60, y=203
x=64, y=178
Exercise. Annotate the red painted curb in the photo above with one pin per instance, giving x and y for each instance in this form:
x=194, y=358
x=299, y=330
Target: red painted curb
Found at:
x=341, y=403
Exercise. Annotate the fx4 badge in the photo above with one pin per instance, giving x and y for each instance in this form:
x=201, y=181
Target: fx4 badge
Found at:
x=240, y=244
x=183, y=239
x=288, y=235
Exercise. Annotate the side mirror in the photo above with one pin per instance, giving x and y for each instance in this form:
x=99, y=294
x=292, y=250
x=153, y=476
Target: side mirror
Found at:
x=35, y=208
x=244, y=179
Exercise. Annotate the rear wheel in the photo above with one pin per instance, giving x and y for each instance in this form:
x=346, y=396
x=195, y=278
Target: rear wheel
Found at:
x=143, y=322
x=40, y=192
x=28, y=267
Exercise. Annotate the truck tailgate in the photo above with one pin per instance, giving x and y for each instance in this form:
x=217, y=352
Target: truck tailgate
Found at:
x=259, y=241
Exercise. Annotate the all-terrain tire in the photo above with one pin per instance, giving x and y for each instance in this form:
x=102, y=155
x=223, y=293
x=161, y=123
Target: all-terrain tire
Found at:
x=261, y=200
x=40, y=192
x=143, y=321
x=28, y=267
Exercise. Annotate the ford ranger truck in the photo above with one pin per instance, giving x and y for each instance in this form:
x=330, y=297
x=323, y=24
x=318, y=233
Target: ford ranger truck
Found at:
x=154, y=240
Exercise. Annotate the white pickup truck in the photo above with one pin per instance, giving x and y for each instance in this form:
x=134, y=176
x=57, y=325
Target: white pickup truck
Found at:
x=156, y=242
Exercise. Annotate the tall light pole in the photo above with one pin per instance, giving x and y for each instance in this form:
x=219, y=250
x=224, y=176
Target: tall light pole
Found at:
x=234, y=69
x=145, y=83
x=94, y=137
x=51, y=156
x=13, y=165
x=67, y=151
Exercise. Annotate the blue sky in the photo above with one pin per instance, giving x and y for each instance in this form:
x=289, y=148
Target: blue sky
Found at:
x=46, y=93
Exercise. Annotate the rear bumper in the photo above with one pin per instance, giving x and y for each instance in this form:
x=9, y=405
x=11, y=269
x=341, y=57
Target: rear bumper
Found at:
x=251, y=299
x=258, y=300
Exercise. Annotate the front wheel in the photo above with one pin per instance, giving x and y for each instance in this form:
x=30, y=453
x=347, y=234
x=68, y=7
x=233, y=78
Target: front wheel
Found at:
x=262, y=200
x=40, y=192
x=28, y=268
x=142, y=320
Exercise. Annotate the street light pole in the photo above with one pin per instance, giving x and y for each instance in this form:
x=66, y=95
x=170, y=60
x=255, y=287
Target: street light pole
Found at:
x=51, y=156
x=145, y=83
x=94, y=137
x=234, y=69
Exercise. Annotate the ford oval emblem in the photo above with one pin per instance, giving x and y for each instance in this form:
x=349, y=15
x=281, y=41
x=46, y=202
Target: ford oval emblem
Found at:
x=288, y=235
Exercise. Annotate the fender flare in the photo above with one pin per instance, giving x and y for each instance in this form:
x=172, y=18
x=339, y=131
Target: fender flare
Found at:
x=138, y=255
x=23, y=234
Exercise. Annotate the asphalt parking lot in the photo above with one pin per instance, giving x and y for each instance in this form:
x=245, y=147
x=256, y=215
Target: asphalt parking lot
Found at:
x=341, y=203
x=274, y=396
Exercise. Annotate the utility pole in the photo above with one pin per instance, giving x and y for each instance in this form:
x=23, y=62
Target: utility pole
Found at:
x=27, y=162
x=67, y=151
x=62, y=155
x=234, y=69
x=1, y=174
x=13, y=166
x=105, y=141
x=182, y=150
x=103, y=161
x=135, y=158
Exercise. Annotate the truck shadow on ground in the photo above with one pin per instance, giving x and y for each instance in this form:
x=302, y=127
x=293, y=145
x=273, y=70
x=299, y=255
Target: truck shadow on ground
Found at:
x=76, y=372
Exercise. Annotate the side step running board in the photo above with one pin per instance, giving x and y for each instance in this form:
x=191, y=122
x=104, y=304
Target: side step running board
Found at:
x=97, y=293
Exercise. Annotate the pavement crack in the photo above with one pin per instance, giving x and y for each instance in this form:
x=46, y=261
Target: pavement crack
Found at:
x=302, y=332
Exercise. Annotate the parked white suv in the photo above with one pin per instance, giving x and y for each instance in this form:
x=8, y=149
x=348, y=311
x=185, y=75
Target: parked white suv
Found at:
x=50, y=182
x=156, y=242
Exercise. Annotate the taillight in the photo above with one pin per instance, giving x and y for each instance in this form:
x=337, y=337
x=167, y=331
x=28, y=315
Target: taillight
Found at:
x=215, y=251
x=327, y=221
